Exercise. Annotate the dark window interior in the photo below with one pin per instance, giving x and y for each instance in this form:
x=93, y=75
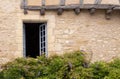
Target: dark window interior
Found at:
x=32, y=39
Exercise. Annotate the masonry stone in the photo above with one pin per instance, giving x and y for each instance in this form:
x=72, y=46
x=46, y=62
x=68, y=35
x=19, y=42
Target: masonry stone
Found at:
x=68, y=32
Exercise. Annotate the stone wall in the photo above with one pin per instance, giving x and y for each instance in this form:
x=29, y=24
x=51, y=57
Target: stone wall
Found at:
x=68, y=32
x=93, y=34
x=56, y=2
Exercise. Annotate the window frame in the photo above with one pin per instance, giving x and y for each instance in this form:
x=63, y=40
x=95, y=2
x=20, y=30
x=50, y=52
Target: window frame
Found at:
x=46, y=39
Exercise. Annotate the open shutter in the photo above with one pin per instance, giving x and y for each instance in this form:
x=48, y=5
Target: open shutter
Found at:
x=43, y=41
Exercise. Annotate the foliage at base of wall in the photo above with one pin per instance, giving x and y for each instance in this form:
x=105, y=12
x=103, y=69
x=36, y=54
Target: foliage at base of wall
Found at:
x=68, y=66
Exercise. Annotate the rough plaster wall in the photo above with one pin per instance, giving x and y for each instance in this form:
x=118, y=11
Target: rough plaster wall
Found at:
x=71, y=32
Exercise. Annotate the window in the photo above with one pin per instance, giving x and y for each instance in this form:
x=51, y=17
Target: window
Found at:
x=35, y=43
x=43, y=38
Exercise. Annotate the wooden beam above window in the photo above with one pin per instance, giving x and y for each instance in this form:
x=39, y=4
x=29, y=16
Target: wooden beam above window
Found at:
x=70, y=7
x=109, y=8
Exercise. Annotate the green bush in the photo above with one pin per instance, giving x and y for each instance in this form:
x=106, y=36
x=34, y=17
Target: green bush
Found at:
x=100, y=70
x=115, y=63
x=114, y=69
x=68, y=66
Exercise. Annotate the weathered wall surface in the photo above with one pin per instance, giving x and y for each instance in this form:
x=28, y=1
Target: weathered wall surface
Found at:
x=94, y=34
x=9, y=10
x=68, y=32
x=56, y=2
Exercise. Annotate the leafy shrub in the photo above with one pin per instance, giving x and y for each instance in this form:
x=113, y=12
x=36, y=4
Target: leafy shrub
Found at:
x=115, y=63
x=76, y=58
x=114, y=69
x=100, y=70
x=81, y=73
x=113, y=74
x=68, y=66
